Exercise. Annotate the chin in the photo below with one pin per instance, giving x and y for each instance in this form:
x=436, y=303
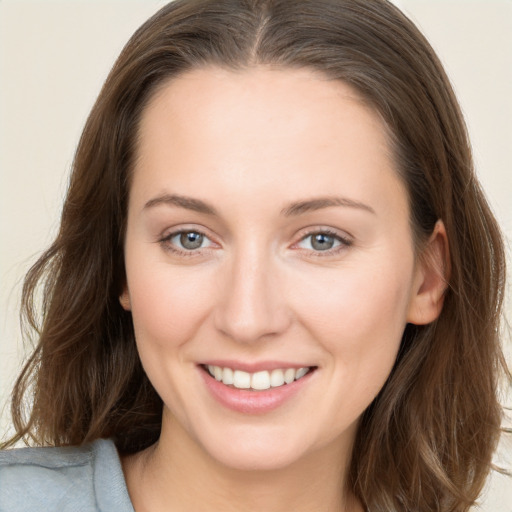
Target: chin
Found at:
x=255, y=453
x=255, y=460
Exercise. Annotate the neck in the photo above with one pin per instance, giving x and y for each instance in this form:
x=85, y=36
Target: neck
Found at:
x=177, y=474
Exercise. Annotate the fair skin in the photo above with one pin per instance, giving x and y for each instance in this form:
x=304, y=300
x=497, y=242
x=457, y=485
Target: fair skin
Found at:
x=240, y=275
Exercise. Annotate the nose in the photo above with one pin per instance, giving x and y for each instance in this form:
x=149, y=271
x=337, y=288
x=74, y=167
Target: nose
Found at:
x=252, y=306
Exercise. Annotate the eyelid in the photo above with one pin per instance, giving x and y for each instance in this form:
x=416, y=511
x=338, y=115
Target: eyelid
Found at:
x=177, y=234
x=165, y=241
x=344, y=238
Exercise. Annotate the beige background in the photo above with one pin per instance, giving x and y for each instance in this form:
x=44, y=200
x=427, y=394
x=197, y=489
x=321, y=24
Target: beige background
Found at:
x=54, y=56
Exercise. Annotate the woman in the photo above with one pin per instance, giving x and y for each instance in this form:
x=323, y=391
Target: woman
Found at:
x=277, y=284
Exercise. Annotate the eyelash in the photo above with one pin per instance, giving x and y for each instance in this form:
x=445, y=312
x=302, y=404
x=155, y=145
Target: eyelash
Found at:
x=344, y=243
x=166, y=243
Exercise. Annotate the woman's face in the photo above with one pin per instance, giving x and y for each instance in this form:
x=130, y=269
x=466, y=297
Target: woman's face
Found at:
x=268, y=232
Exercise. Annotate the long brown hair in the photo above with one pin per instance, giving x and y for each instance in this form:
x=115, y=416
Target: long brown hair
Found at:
x=426, y=441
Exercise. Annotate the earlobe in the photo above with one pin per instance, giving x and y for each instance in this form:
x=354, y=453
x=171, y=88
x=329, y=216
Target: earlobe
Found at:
x=431, y=279
x=124, y=299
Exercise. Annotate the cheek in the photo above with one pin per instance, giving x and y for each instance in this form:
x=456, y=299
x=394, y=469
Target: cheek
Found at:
x=167, y=304
x=354, y=300
x=359, y=321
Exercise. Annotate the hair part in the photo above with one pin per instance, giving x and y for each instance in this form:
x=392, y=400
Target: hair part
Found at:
x=426, y=441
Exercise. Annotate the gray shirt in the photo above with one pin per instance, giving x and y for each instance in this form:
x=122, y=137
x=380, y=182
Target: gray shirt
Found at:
x=75, y=479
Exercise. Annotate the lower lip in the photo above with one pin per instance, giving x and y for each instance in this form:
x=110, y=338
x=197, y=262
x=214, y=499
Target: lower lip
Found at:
x=252, y=402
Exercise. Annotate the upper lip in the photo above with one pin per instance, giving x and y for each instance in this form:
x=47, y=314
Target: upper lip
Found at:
x=254, y=366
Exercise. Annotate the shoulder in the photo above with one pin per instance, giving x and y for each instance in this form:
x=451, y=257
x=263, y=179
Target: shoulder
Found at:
x=85, y=478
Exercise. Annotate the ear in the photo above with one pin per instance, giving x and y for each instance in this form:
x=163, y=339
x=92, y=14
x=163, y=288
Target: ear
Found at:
x=124, y=299
x=431, y=278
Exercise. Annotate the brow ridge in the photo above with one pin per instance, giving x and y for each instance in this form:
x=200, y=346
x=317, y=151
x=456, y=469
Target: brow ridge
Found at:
x=293, y=209
x=186, y=202
x=300, y=207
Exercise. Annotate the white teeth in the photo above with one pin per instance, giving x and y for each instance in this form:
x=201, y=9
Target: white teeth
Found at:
x=276, y=378
x=259, y=380
x=289, y=375
x=227, y=376
x=301, y=372
x=241, y=380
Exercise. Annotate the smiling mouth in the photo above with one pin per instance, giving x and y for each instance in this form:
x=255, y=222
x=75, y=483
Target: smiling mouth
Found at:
x=257, y=381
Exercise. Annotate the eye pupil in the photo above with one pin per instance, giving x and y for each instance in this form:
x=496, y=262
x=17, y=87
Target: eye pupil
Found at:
x=191, y=240
x=322, y=242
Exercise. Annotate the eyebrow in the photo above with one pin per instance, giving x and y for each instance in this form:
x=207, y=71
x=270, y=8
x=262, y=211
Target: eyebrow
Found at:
x=189, y=203
x=293, y=209
x=319, y=203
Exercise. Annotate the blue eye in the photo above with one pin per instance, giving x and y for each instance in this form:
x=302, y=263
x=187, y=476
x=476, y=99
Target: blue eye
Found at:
x=187, y=240
x=321, y=241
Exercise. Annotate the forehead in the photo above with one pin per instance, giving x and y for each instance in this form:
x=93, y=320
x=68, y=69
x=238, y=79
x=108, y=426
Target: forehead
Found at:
x=288, y=131
x=256, y=96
